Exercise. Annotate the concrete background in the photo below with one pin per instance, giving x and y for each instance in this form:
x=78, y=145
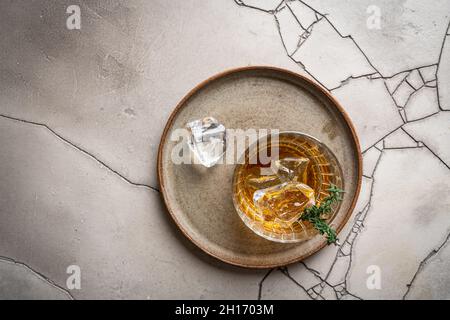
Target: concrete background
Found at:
x=82, y=111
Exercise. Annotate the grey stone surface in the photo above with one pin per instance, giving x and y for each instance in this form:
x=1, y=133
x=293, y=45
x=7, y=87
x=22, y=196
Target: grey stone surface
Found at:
x=415, y=225
x=422, y=103
x=329, y=57
x=279, y=286
x=432, y=280
x=434, y=132
x=17, y=281
x=410, y=31
x=60, y=207
x=82, y=111
x=370, y=160
x=394, y=82
x=443, y=75
x=403, y=93
x=109, y=87
x=371, y=109
x=305, y=276
x=399, y=139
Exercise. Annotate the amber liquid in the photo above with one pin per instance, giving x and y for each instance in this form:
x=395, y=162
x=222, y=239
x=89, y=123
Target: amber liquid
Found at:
x=322, y=170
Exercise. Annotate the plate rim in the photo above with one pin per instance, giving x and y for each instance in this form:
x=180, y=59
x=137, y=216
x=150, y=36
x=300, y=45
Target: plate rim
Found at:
x=182, y=103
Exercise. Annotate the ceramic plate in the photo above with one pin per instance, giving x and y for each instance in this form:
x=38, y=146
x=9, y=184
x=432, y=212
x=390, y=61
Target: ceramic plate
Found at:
x=200, y=199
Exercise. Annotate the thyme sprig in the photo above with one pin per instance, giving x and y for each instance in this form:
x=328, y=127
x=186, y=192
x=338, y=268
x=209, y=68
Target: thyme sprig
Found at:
x=317, y=214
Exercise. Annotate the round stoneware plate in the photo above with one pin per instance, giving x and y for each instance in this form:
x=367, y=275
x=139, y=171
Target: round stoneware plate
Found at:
x=199, y=199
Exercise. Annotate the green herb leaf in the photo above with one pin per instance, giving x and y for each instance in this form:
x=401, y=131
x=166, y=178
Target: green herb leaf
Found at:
x=317, y=214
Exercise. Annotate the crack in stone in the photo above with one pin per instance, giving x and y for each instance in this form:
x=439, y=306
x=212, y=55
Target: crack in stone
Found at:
x=395, y=102
x=300, y=64
x=260, y=285
x=38, y=274
x=422, y=144
x=310, y=292
x=381, y=139
x=285, y=271
x=410, y=96
x=346, y=81
x=361, y=216
x=424, y=117
x=434, y=251
x=342, y=36
x=90, y=155
x=359, y=223
x=368, y=60
x=412, y=87
x=314, y=272
x=298, y=21
x=405, y=80
x=439, y=158
x=439, y=62
x=424, y=262
x=410, y=69
x=379, y=149
x=302, y=37
x=367, y=208
x=319, y=17
x=242, y=4
x=421, y=76
x=398, y=86
x=352, y=235
x=402, y=148
x=279, y=6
